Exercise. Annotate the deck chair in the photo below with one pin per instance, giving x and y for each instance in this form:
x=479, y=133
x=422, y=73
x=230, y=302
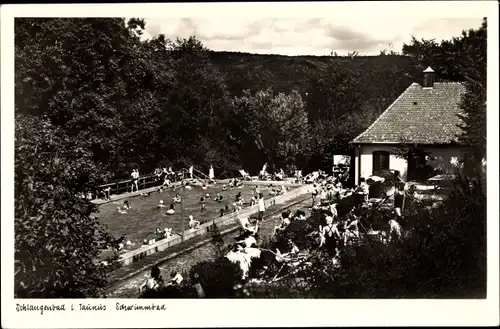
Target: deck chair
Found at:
x=245, y=175
x=312, y=177
x=245, y=225
x=292, y=262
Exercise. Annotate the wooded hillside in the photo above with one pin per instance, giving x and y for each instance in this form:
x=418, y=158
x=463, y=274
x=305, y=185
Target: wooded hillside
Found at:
x=285, y=73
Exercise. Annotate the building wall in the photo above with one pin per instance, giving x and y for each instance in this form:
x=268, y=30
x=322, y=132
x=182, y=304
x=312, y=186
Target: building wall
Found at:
x=366, y=163
x=446, y=158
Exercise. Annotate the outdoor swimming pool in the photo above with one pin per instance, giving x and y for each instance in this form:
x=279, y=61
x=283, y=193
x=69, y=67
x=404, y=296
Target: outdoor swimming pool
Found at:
x=141, y=221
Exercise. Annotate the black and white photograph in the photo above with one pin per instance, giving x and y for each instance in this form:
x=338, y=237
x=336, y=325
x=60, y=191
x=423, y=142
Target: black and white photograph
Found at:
x=337, y=154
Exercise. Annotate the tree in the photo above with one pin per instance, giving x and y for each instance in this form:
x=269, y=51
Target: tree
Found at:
x=474, y=100
x=81, y=74
x=72, y=83
x=461, y=59
x=276, y=125
x=56, y=239
x=343, y=100
x=196, y=109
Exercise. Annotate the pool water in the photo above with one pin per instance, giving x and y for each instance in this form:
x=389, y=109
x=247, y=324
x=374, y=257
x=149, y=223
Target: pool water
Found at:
x=141, y=221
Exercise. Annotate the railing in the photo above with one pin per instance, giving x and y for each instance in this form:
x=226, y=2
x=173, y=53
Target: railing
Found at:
x=148, y=181
x=126, y=185
x=205, y=176
x=143, y=183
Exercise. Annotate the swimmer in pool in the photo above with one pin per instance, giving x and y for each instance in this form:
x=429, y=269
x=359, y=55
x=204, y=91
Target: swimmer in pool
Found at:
x=202, y=203
x=121, y=211
x=171, y=211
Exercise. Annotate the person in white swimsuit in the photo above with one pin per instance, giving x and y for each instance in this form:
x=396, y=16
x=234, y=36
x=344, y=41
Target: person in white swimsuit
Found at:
x=394, y=230
x=193, y=224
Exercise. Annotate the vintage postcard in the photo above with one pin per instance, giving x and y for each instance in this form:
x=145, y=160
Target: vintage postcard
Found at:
x=250, y=164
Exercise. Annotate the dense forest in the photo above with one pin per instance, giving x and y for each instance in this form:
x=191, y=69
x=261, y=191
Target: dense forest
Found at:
x=93, y=101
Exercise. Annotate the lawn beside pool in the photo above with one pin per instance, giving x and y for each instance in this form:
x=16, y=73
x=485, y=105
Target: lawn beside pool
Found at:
x=141, y=221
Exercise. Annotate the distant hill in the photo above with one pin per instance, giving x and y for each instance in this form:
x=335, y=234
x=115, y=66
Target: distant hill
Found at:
x=284, y=73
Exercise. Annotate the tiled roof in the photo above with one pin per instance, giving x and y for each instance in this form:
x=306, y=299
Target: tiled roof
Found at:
x=419, y=115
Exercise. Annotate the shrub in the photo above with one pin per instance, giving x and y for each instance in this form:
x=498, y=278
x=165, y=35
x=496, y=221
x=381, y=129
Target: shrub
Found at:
x=288, y=288
x=217, y=277
x=297, y=231
x=167, y=292
x=388, y=176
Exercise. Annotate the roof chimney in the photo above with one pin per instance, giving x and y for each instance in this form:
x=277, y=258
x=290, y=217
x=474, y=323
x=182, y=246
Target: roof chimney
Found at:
x=429, y=78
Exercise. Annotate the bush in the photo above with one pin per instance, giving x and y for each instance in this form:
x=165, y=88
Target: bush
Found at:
x=297, y=231
x=217, y=277
x=167, y=292
x=388, y=176
x=288, y=288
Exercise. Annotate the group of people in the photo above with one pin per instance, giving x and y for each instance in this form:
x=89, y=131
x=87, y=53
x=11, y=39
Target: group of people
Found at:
x=159, y=235
x=328, y=189
x=193, y=224
x=167, y=176
x=256, y=199
x=273, y=190
x=287, y=218
x=126, y=206
x=233, y=183
x=156, y=282
x=334, y=232
x=278, y=176
x=349, y=227
x=245, y=248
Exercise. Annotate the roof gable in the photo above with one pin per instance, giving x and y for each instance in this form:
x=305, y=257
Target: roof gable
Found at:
x=419, y=115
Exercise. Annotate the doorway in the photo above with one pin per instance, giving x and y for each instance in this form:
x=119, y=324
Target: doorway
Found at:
x=380, y=162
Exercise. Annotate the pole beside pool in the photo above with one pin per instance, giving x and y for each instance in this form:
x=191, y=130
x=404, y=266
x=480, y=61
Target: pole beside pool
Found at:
x=182, y=208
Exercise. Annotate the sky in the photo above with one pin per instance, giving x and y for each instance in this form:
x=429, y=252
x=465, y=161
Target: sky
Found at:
x=309, y=35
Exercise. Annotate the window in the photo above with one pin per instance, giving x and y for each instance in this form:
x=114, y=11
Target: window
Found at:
x=380, y=161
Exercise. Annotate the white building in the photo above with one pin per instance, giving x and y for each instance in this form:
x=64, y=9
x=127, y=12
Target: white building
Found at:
x=424, y=117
